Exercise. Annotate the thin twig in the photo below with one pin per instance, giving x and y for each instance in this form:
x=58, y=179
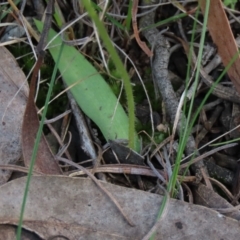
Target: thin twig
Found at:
x=100, y=186
x=19, y=169
x=130, y=169
x=141, y=44
x=207, y=154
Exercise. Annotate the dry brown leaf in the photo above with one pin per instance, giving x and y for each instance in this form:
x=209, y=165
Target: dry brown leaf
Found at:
x=45, y=162
x=222, y=36
x=78, y=209
x=141, y=44
x=11, y=110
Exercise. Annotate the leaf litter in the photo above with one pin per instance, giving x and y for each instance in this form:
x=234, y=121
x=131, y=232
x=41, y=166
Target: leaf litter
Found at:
x=78, y=209
x=13, y=97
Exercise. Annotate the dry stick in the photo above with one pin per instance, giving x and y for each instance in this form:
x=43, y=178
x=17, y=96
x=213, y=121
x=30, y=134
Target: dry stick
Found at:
x=207, y=154
x=99, y=185
x=46, y=26
x=160, y=75
x=52, y=120
x=19, y=169
x=130, y=169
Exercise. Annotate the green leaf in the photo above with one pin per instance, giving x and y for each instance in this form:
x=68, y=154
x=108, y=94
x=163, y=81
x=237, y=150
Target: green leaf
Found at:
x=92, y=93
x=230, y=2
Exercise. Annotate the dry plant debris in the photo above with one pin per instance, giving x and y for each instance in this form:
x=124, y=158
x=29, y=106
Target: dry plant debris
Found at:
x=81, y=210
x=62, y=206
x=13, y=97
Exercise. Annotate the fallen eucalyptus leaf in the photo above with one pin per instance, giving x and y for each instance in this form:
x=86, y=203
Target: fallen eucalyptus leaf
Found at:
x=45, y=161
x=11, y=110
x=225, y=42
x=78, y=209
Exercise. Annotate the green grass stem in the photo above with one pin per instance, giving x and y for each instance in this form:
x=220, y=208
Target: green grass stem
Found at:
x=35, y=149
x=129, y=16
x=185, y=130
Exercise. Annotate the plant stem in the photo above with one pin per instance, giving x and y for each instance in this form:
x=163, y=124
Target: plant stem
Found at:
x=118, y=64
